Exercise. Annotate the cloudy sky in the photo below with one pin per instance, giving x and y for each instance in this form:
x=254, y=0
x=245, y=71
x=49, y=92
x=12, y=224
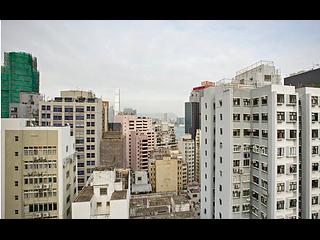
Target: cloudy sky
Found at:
x=156, y=63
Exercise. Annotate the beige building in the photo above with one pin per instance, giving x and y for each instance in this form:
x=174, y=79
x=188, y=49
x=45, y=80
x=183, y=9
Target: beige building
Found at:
x=168, y=172
x=83, y=112
x=38, y=170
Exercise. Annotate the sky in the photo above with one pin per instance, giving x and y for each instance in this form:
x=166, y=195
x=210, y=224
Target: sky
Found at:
x=156, y=63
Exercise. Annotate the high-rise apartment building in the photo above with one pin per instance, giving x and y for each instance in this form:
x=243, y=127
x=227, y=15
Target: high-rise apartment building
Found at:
x=306, y=78
x=165, y=135
x=249, y=147
x=38, y=167
x=186, y=147
x=19, y=74
x=140, y=140
x=309, y=152
x=83, y=112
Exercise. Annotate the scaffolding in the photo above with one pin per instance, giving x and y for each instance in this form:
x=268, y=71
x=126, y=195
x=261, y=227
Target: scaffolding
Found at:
x=18, y=74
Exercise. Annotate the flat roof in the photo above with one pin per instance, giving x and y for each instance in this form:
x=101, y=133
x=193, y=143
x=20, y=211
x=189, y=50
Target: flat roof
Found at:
x=85, y=195
x=118, y=195
x=179, y=199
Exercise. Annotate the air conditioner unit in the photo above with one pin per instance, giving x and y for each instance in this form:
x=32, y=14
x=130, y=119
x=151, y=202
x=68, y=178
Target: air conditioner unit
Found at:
x=39, y=215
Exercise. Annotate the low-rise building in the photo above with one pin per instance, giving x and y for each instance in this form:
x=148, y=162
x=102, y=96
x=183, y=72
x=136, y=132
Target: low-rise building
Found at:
x=140, y=182
x=105, y=196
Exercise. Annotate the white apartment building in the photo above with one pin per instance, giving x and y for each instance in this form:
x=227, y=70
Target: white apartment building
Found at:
x=83, y=112
x=309, y=151
x=186, y=147
x=249, y=147
x=140, y=182
x=38, y=170
x=105, y=196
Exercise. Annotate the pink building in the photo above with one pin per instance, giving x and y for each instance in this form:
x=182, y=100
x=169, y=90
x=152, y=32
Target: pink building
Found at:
x=140, y=140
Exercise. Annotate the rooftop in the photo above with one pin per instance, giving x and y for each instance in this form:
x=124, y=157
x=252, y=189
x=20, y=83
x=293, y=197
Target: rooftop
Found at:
x=85, y=195
x=118, y=195
x=179, y=199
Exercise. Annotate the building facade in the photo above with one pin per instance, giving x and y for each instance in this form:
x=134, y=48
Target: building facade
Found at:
x=165, y=135
x=307, y=78
x=83, y=112
x=38, y=170
x=249, y=146
x=105, y=196
x=186, y=147
x=19, y=74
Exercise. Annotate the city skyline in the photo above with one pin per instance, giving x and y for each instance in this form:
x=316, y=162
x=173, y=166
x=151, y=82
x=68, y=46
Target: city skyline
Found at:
x=153, y=59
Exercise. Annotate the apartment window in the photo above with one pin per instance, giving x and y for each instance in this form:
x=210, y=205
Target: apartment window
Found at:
x=280, y=187
x=315, y=167
x=220, y=173
x=206, y=129
x=292, y=116
x=236, y=132
x=292, y=99
x=205, y=105
x=57, y=109
x=79, y=109
x=220, y=131
x=264, y=200
x=246, y=101
x=246, y=117
x=236, y=101
x=280, y=98
x=264, y=150
x=220, y=145
x=264, y=133
x=205, y=141
x=264, y=117
x=314, y=100
x=264, y=183
x=220, y=201
x=236, y=148
x=280, y=152
x=16, y=168
x=292, y=203
x=255, y=179
x=220, y=188
x=236, y=163
x=221, y=160
x=246, y=132
x=280, y=169
x=315, y=183
x=292, y=151
x=205, y=188
x=220, y=103
x=315, y=133
x=206, y=117
x=236, y=194
x=280, y=205
x=221, y=117
x=245, y=192
x=255, y=132
x=236, y=117
x=255, y=101
x=280, y=116
x=255, y=195
x=205, y=164
x=264, y=167
x=264, y=100
x=246, y=162
x=16, y=138
x=103, y=191
x=315, y=200
x=255, y=117
x=315, y=149
x=236, y=208
x=16, y=154
x=16, y=183
x=292, y=134
x=280, y=134
x=315, y=117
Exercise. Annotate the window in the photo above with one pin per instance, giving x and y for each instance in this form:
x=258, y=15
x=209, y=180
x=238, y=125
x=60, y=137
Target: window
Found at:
x=246, y=102
x=79, y=109
x=280, y=134
x=267, y=78
x=264, y=150
x=264, y=167
x=220, y=159
x=236, y=101
x=206, y=117
x=16, y=138
x=236, y=148
x=16, y=154
x=314, y=100
x=280, y=98
x=220, y=188
x=264, y=183
x=280, y=205
x=205, y=141
x=264, y=100
x=221, y=117
x=255, y=195
x=315, y=200
x=315, y=183
x=236, y=117
x=246, y=117
x=255, y=179
x=315, y=133
x=264, y=133
x=236, y=163
x=315, y=167
x=280, y=169
x=236, y=132
x=292, y=116
x=280, y=187
x=16, y=168
x=292, y=99
x=245, y=192
x=255, y=117
x=220, y=103
x=280, y=116
x=264, y=117
x=280, y=152
x=246, y=162
x=236, y=208
x=264, y=200
x=103, y=191
x=255, y=132
x=236, y=194
x=315, y=149
x=220, y=131
x=16, y=183
x=292, y=203
x=255, y=101
x=315, y=117
x=246, y=132
x=292, y=151
x=293, y=134
x=16, y=211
